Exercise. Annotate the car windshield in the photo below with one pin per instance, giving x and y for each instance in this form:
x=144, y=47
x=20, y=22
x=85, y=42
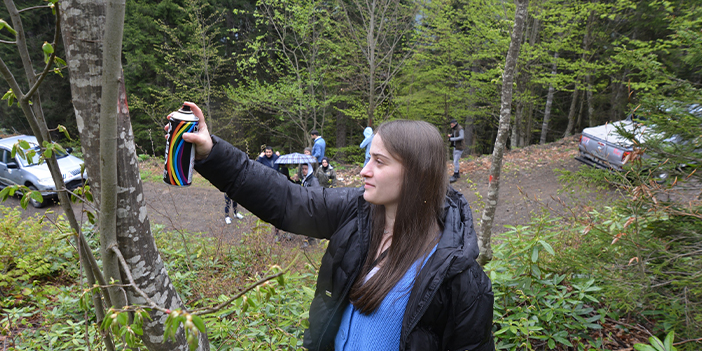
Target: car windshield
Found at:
x=35, y=159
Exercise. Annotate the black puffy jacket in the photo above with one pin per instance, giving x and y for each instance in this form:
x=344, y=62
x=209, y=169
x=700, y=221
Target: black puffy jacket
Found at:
x=450, y=306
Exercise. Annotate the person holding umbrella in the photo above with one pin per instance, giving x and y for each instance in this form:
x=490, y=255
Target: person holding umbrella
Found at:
x=399, y=272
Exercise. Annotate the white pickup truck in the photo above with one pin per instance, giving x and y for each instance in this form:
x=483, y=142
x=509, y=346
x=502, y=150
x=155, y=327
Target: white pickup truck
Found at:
x=603, y=147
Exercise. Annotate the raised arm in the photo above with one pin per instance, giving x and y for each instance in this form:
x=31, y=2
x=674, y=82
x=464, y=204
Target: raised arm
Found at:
x=267, y=193
x=316, y=212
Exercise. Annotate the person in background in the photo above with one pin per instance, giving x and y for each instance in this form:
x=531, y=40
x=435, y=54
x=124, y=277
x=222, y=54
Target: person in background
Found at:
x=296, y=177
x=309, y=180
x=399, y=272
x=456, y=138
x=319, y=146
x=227, y=204
x=366, y=143
x=267, y=158
x=326, y=175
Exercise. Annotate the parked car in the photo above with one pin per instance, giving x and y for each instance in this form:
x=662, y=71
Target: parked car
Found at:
x=37, y=176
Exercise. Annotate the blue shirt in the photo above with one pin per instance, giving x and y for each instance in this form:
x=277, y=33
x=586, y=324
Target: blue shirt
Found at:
x=318, y=149
x=381, y=329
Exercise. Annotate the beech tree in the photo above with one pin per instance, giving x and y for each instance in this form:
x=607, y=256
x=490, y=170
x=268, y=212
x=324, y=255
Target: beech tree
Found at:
x=127, y=231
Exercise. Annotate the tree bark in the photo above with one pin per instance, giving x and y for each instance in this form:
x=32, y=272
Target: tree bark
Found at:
x=549, y=102
x=514, y=138
x=579, y=123
x=84, y=25
x=502, y=133
x=571, y=112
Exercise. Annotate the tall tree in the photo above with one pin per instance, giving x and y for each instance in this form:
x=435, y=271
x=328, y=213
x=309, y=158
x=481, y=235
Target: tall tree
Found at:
x=380, y=29
x=295, y=92
x=488, y=215
x=133, y=236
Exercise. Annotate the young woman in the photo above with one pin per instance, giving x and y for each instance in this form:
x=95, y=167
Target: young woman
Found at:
x=399, y=272
x=326, y=174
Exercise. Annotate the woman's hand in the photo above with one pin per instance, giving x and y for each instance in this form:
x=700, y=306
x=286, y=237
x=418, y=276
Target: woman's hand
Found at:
x=201, y=139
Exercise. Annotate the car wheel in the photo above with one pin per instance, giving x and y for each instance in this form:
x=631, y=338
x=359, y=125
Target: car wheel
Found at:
x=35, y=203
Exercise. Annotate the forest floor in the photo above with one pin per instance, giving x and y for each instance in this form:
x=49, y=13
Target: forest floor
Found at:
x=530, y=184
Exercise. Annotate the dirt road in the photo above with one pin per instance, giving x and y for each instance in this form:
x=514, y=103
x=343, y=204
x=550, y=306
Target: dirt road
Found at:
x=529, y=184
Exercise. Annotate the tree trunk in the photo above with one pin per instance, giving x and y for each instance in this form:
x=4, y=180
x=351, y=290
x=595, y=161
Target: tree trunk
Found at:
x=590, y=105
x=502, y=133
x=84, y=25
x=526, y=135
x=514, y=138
x=469, y=133
x=549, y=102
x=341, y=126
x=581, y=109
x=571, y=112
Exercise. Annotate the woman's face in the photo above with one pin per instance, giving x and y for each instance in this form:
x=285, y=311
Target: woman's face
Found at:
x=382, y=175
x=307, y=152
x=325, y=163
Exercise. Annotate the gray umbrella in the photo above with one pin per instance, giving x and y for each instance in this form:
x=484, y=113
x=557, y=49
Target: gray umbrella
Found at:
x=295, y=159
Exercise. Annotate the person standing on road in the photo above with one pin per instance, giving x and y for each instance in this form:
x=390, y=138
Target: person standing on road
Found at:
x=366, y=143
x=456, y=138
x=399, y=272
x=319, y=147
x=227, y=204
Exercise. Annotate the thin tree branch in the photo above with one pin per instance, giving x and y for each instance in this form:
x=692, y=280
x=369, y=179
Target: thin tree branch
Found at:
x=49, y=63
x=36, y=7
x=7, y=42
x=241, y=293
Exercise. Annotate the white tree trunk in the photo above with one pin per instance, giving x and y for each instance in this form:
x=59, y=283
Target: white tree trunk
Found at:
x=83, y=28
x=549, y=102
x=502, y=132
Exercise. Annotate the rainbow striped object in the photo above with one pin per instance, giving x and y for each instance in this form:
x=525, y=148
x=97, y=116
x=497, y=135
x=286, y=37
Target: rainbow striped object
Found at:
x=179, y=154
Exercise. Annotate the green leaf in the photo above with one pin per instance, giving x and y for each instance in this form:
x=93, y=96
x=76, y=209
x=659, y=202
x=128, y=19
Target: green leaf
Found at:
x=24, y=201
x=534, y=254
x=551, y=344
x=59, y=61
x=47, y=153
x=668, y=342
x=24, y=144
x=36, y=195
x=4, y=24
x=47, y=48
x=547, y=247
x=643, y=347
x=122, y=318
x=198, y=322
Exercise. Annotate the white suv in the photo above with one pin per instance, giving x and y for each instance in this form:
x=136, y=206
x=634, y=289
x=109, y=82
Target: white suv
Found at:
x=37, y=176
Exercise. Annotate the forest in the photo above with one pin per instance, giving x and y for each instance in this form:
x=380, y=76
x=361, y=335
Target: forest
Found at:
x=621, y=271
x=269, y=72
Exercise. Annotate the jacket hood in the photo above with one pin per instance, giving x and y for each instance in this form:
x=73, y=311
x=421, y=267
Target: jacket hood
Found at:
x=367, y=132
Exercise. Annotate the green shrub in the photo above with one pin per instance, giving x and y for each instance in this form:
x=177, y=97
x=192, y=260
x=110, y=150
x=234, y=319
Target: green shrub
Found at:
x=536, y=306
x=30, y=249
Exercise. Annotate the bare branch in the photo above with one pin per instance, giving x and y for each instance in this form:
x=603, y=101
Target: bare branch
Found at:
x=7, y=42
x=49, y=63
x=241, y=293
x=36, y=7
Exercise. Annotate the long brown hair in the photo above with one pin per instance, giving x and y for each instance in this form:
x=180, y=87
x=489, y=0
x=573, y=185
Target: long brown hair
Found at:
x=419, y=147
